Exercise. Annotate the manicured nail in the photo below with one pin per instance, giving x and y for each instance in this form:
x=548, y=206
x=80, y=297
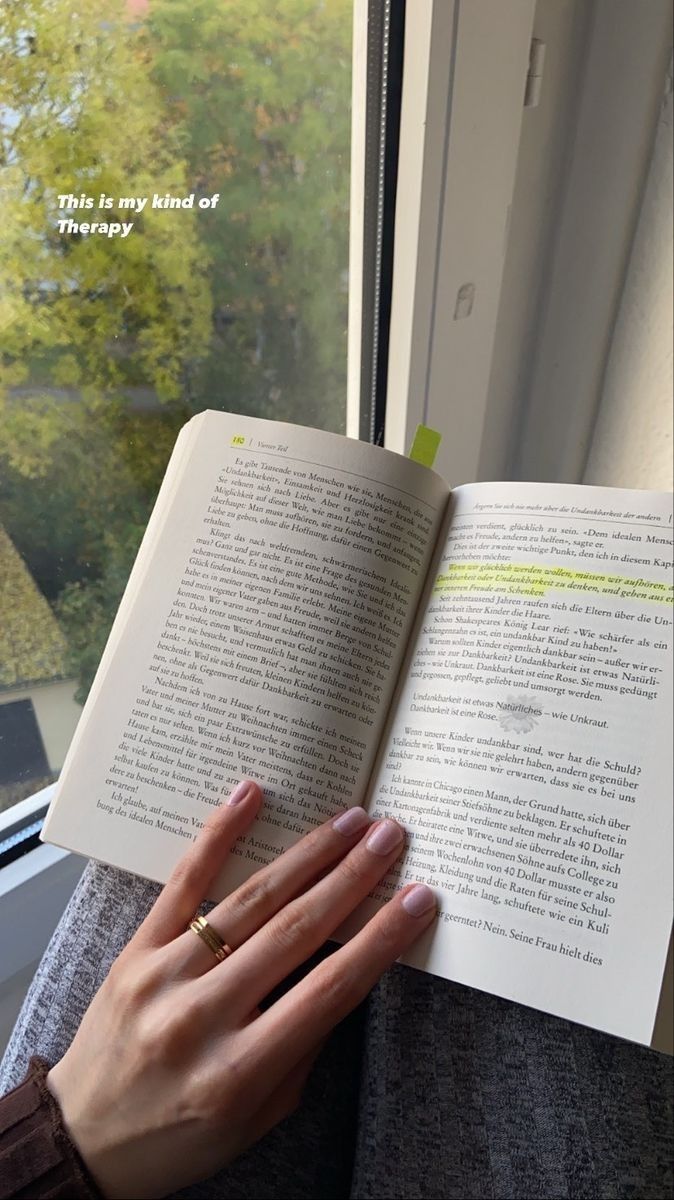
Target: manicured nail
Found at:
x=385, y=838
x=351, y=821
x=241, y=790
x=418, y=900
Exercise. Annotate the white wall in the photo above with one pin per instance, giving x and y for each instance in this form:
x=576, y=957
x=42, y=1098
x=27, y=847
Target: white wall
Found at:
x=632, y=441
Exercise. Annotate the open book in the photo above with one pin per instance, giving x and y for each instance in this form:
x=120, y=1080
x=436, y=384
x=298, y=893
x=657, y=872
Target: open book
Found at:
x=489, y=665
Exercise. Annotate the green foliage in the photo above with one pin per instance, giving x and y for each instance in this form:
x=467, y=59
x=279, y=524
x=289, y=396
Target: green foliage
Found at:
x=86, y=610
x=262, y=100
x=80, y=114
x=99, y=481
x=108, y=345
x=31, y=644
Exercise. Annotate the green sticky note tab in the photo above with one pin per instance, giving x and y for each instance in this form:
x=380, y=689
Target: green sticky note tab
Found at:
x=425, y=445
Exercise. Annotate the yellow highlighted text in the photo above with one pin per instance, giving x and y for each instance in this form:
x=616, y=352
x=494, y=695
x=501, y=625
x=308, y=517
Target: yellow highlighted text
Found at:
x=526, y=579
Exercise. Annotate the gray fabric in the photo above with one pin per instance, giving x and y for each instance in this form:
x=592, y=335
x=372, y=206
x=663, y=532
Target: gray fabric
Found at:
x=431, y=1090
x=465, y=1095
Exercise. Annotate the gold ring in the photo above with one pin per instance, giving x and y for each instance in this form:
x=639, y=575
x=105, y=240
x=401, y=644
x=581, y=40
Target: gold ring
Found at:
x=211, y=938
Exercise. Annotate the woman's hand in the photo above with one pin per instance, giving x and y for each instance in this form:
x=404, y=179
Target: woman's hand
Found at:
x=174, y=1070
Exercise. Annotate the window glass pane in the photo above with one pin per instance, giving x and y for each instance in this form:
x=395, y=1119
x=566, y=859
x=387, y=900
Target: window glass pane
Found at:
x=226, y=289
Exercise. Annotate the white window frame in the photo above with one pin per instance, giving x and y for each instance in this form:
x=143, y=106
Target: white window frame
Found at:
x=463, y=90
x=356, y=215
x=34, y=890
x=465, y=70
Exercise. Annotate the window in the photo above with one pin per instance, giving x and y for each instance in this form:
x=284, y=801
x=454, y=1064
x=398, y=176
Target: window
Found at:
x=107, y=345
x=226, y=289
x=230, y=287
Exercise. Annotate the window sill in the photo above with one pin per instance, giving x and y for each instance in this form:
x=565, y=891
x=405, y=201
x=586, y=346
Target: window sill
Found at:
x=34, y=889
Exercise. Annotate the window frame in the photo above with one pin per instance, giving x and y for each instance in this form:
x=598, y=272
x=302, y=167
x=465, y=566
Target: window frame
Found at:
x=34, y=889
x=465, y=72
x=452, y=217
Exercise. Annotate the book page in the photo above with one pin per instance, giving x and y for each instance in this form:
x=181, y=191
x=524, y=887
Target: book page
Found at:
x=530, y=751
x=260, y=635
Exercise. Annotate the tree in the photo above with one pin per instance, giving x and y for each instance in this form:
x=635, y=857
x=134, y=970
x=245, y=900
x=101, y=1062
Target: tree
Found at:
x=261, y=94
x=108, y=345
x=93, y=491
x=88, y=314
x=87, y=321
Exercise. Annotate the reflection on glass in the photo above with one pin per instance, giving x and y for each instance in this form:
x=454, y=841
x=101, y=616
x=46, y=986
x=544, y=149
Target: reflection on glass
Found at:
x=109, y=342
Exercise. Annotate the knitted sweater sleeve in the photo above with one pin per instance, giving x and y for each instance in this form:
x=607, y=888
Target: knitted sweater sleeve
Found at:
x=37, y=1157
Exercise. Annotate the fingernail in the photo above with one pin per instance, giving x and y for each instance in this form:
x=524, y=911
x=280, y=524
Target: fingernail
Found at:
x=241, y=790
x=385, y=838
x=351, y=821
x=418, y=900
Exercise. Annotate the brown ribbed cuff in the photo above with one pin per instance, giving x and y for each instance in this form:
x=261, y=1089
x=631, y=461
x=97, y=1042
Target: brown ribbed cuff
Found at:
x=37, y=1157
